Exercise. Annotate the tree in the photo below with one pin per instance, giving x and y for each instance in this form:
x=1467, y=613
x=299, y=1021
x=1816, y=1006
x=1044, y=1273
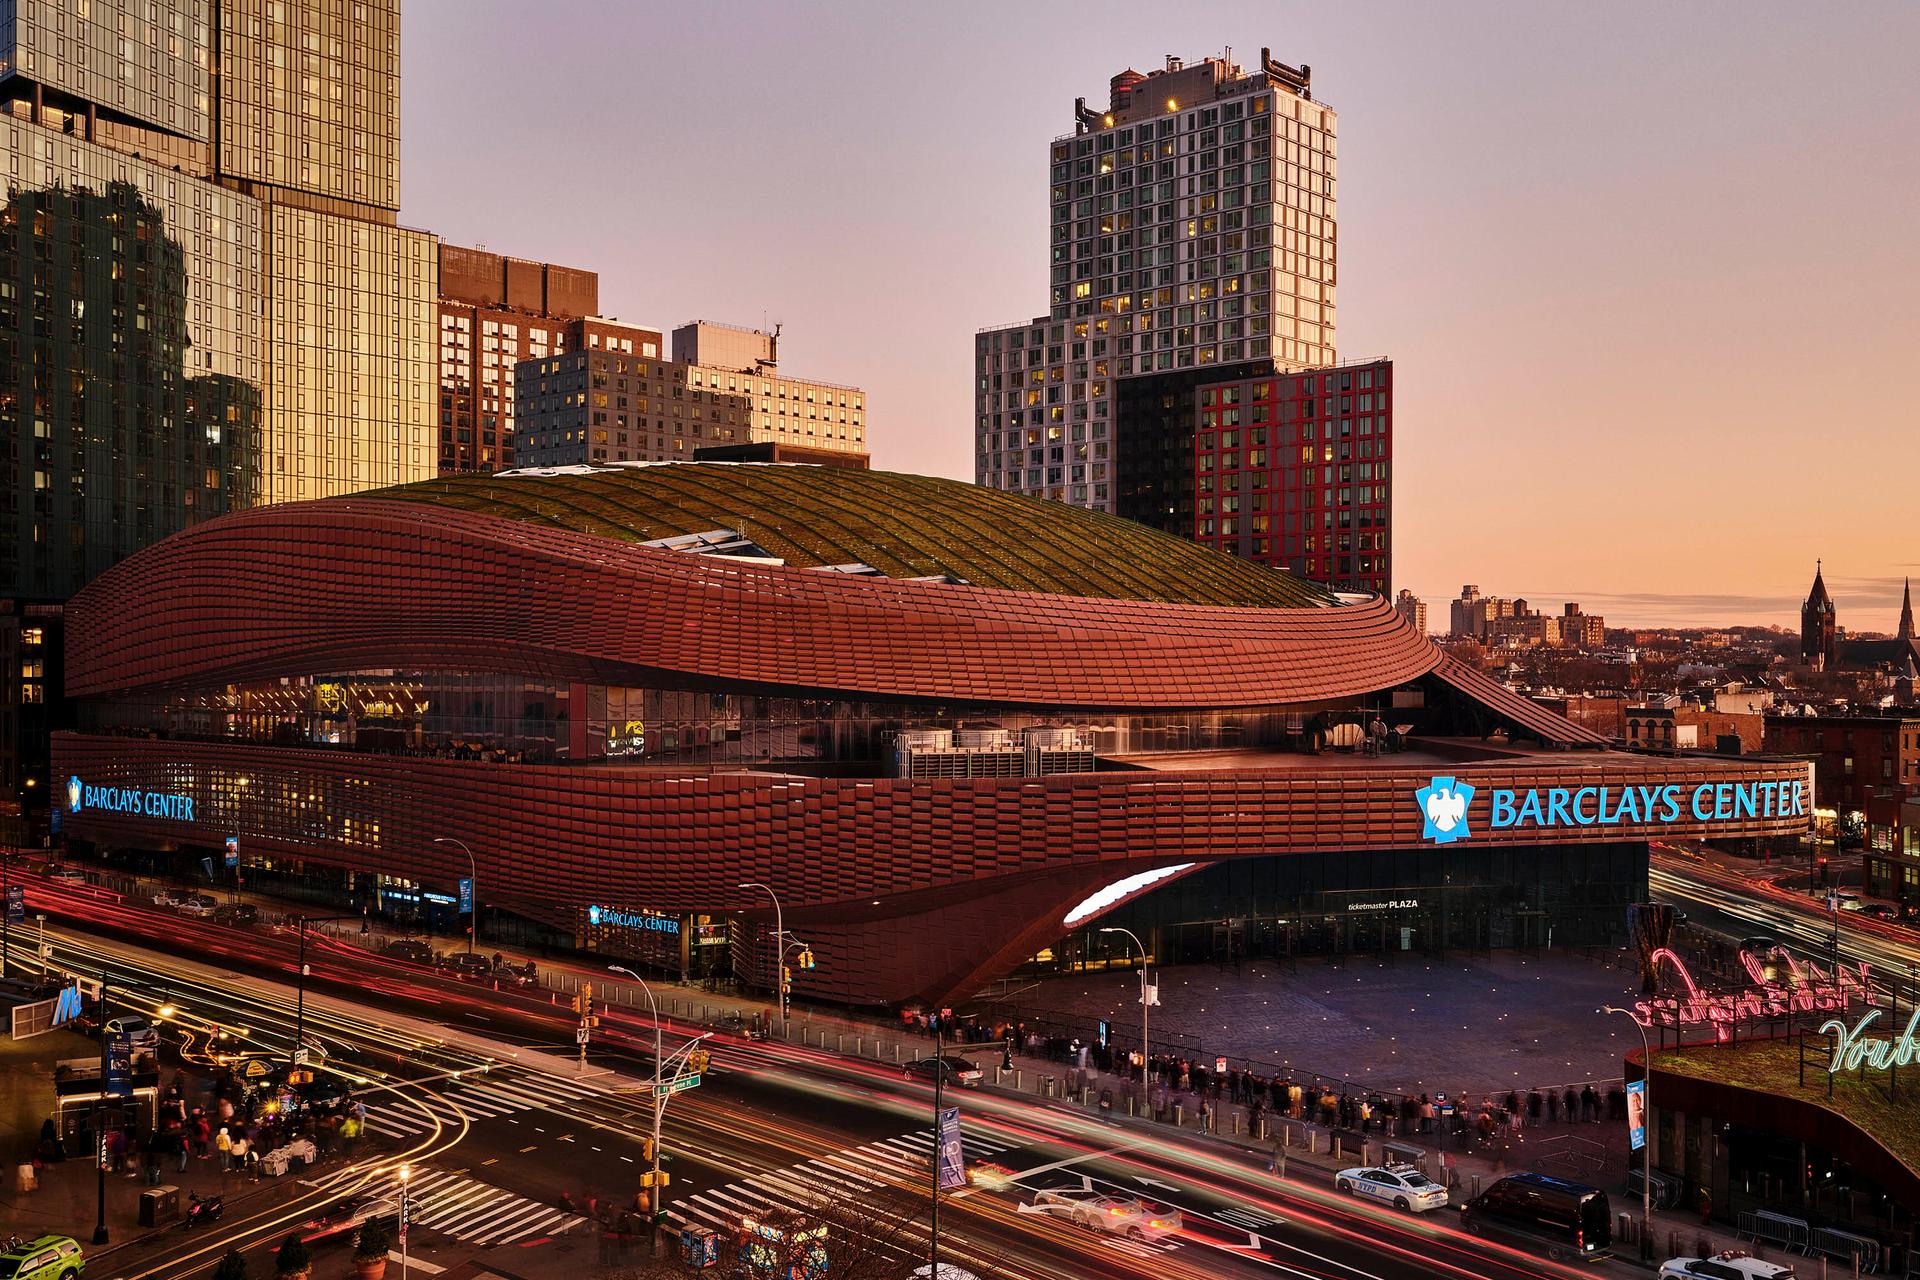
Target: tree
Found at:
x=374, y=1242
x=231, y=1267
x=292, y=1259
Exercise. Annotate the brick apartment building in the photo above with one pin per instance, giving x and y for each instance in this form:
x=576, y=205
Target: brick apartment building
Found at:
x=494, y=312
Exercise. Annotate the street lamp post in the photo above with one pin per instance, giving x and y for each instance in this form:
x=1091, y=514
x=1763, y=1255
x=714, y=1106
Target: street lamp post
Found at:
x=473, y=882
x=1653, y=1130
x=659, y=1055
x=100, y=1117
x=779, y=951
x=1144, y=1053
x=294, y=1051
x=406, y=1172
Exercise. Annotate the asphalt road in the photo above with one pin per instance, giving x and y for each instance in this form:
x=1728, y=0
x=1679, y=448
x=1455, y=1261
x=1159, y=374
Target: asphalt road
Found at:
x=472, y=1092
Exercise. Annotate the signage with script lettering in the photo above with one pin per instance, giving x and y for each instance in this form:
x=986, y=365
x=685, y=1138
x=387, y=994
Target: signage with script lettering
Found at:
x=1853, y=1047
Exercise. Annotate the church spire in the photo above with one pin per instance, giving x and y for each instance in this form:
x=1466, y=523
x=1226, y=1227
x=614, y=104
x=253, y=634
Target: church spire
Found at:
x=1818, y=623
x=1906, y=613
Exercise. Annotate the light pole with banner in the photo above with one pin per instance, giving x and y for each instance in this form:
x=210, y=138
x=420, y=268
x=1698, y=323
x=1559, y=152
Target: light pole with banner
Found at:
x=471, y=889
x=1642, y=1136
x=779, y=950
x=1148, y=995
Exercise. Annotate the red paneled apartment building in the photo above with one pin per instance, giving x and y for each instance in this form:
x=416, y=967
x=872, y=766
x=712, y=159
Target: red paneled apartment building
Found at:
x=1294, y=470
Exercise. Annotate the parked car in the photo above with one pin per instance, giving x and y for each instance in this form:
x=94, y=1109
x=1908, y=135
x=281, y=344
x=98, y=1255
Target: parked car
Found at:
x=958, y=1070
x=412, y=950
x=1400, y=1185
x=1734, y=1264
x=142, y=1035
x=48, y=1258
x=69, y=875
x=466, y=964
x=236, y=913
x=1881, y=911
x=1847, y=901
x=1102, y=1211
x=199, y=905
x=168, y=898
x=1569, y=1221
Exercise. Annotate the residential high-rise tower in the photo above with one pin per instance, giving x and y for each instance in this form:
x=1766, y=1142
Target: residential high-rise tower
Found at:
x=1192, y=223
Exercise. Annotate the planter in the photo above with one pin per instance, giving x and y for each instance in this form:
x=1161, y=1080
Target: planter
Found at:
x=370, y=1268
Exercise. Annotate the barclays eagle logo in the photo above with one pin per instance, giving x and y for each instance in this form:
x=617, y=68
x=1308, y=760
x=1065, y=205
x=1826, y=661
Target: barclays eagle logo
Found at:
x=75, y=794
x=1443, y=805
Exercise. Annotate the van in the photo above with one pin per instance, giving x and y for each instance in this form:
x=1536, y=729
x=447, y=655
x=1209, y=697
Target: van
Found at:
x=1571, y=1222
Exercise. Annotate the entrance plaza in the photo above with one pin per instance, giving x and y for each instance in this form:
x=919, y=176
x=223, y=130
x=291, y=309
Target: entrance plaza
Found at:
x=1477, y=1025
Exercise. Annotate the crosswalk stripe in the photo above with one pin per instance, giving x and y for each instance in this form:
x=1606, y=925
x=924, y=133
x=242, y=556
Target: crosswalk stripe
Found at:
x=444, y=1205
x=504, y=1217
x=552, y=1222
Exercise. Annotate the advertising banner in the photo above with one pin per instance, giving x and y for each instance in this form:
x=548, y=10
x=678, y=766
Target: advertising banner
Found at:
x=466, y=895
x=119, y=1065
x=1637, y=1113
x=16, y=904
x=953, y=1159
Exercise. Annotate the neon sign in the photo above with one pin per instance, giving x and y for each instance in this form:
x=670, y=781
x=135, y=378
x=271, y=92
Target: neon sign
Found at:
x=1611, y=806
x=613, y=917
x=1808, y=989
x=1852, y=1046
x=151, y=804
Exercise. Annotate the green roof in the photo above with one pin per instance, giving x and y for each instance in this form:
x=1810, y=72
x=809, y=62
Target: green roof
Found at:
x=903, y=526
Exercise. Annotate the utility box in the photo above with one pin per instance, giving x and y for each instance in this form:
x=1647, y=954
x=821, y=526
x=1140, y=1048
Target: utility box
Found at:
x=159, y=1206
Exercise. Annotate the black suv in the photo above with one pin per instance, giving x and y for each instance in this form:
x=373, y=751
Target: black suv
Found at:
x=1571, y=1222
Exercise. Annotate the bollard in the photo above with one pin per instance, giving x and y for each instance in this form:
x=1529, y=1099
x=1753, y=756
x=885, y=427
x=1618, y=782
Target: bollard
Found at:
x=1476, y=1187
x=839, y=1042
x=1236, y=1124
x=859, y=1045
x=1133, y=1107
x=1017, y=1074
x=1178, y=1109
x=897, y=1059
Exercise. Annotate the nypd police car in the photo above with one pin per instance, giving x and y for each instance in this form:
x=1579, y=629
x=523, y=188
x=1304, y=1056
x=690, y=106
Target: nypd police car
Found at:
x=1732, y=1265
x=1400, y=1185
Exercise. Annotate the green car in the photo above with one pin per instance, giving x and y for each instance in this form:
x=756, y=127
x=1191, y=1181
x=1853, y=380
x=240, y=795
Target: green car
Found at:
x=48, y=1258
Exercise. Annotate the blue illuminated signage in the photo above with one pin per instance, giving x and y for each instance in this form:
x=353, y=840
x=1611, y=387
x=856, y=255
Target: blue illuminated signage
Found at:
x=1444, y=802
x=129, y=800
x=1443, y=805
x=614, y=918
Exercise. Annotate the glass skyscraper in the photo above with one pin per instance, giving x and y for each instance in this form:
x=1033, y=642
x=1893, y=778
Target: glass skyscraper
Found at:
x=206, y=300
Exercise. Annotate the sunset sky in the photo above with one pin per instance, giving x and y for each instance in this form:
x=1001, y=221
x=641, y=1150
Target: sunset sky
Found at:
x=1650, y=273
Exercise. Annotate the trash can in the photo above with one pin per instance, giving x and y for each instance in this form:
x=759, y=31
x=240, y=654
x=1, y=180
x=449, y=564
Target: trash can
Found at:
x=159, y=1206
x=26, y=1178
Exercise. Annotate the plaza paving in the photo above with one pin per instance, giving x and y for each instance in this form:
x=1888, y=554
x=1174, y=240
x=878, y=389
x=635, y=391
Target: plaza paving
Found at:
x=1467, y=1024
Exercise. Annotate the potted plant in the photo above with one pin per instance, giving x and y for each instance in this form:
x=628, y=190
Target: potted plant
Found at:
x=232, y=1267
x=292, y=1261
x=370, y=1250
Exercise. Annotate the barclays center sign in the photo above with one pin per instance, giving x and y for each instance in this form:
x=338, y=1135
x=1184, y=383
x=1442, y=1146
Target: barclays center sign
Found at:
x=82, y=796
x=1445, y=806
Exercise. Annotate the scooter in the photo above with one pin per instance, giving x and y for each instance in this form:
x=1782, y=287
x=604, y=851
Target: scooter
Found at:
x=201, y=1211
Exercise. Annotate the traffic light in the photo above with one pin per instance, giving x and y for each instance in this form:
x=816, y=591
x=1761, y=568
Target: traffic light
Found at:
x=786, y=979
x=646, y=1152
x=806, y=958
x=697, y=1061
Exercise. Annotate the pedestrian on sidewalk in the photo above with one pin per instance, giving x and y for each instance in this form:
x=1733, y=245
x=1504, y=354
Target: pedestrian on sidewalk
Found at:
x=179, y=1147
x=237, y=1154
x=1703, y=1200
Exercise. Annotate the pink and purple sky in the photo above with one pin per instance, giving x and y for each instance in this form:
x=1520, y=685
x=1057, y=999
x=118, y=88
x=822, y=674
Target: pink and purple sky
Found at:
x=1649, y=272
